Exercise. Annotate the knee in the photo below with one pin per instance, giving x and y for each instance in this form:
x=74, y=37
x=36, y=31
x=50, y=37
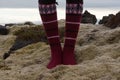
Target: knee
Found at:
x=46, y=1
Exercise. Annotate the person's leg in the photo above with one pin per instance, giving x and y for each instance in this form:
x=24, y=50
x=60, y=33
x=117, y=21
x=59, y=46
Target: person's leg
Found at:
x=74, y=10
x=48, y=14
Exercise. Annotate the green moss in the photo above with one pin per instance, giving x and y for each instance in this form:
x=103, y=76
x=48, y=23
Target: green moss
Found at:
x=34, y=34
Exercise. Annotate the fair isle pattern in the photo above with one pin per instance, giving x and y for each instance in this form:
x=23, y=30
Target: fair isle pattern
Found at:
x=74, y=8
x=47, y=8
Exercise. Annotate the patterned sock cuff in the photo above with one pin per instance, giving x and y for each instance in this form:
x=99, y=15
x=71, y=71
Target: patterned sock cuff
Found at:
x=72, y=8
x=47, y=8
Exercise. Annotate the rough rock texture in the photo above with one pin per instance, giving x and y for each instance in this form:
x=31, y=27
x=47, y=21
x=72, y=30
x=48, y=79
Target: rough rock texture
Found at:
x=97, y=54
x=88, y=18
x=105, y=19
x=111, y=21
x=114, y=21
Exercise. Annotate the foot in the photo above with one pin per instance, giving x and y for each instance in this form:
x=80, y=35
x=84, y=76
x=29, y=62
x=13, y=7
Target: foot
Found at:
x=54, y=63
x=56, y=59
x=69, y=58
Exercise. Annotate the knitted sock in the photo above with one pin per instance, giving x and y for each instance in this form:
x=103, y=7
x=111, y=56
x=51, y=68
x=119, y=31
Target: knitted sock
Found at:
x=48, y=14
x=73, y=17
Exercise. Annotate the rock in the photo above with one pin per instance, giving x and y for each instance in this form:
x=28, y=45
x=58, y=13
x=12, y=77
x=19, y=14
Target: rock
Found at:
x=114, y=21
x=9, y=25
x=1, y=26
x=6, y=55
x=28, y=23
x=3, y=30
x=105, y=19
x=88, y=18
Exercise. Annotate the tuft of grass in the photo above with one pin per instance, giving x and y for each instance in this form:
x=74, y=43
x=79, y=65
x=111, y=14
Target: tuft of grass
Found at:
x=3, y=66
x=62, y=32
x=34, y=34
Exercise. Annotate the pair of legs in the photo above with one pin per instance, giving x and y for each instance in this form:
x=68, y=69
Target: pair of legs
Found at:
x=48, y=15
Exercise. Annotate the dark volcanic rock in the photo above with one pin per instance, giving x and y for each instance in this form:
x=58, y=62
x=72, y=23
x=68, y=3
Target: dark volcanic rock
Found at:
x=28, y=23
x=114, y=21
x=88, y=18
x=105, y=19
x=9, y=25
x=2, y=26
x=3, y=30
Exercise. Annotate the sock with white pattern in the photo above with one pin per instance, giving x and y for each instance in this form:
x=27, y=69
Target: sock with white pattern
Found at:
x=74, y=10
x=48, y=14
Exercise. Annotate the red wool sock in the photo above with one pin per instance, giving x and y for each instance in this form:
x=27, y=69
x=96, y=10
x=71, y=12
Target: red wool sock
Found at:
x=49, y=18
x=73, y=17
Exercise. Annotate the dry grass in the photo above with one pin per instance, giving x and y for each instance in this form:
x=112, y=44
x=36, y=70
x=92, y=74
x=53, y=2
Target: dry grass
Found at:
x=34, y=34
x=98, y=58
